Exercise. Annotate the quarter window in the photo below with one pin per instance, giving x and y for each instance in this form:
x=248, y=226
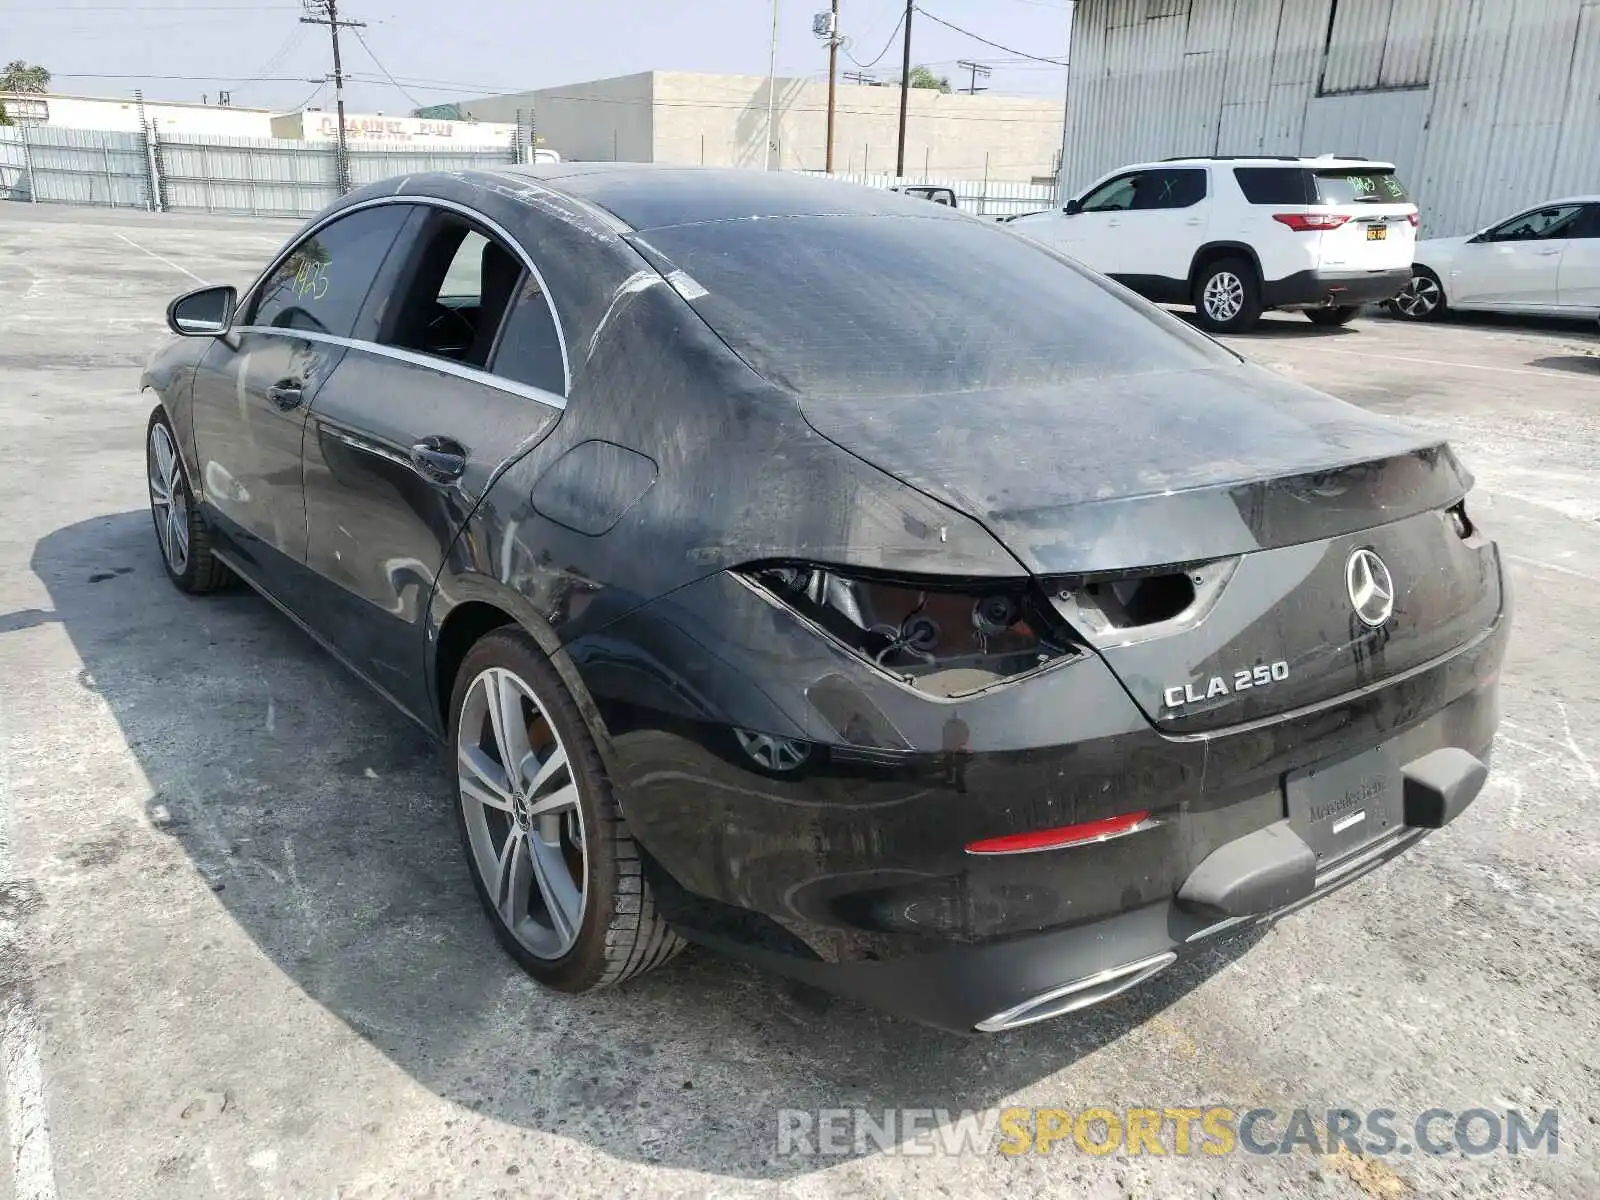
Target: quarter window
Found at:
x=530, y=347
x=321, y=286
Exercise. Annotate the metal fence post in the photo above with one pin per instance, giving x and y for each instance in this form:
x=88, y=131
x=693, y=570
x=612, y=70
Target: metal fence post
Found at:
x=983, y=206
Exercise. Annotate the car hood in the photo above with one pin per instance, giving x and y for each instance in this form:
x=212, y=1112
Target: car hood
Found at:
x=1433, y=250
x=1145, y=470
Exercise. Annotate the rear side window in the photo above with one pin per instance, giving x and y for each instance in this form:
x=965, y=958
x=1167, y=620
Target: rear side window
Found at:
x=1360, y=187
x=1275, y=185
x=865, y=307
x=1170, y=189
x=321, y=286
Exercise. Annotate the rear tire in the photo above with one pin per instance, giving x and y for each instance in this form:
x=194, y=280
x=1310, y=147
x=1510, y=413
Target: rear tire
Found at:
x=181, y=532
x=1328, y=317
x=1227, y=296
x=1423, y=299
x=550, y=856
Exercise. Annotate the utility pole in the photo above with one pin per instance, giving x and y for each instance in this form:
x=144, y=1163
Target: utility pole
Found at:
x=772, y=95
x=326, y=12
x=905, y=93
x=979, y=71
x=832, y=85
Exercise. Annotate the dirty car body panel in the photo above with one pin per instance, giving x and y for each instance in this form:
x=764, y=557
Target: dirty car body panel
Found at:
x=973, y=655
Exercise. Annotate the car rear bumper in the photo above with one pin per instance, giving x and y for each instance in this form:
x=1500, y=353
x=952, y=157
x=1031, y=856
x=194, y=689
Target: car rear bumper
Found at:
x=847, y=866
x=1005, y=985
x=1313, y=289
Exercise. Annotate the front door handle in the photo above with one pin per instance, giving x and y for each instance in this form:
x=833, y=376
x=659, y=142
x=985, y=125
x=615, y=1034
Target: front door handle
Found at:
x=439, y=459
x=286, y=396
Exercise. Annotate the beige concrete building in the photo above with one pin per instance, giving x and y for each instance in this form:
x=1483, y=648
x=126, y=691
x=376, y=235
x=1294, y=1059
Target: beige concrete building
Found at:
x=721, y=120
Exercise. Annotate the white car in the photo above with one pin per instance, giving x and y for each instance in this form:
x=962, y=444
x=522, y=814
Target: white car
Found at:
x=1237, y=236
x=1545, y=260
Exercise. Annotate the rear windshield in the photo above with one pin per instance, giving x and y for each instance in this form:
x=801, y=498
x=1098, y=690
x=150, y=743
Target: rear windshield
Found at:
x=894, y=306
x=1360, y=187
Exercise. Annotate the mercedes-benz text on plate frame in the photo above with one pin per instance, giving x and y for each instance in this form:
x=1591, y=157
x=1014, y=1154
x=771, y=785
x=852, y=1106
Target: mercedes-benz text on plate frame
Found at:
x=764, y=663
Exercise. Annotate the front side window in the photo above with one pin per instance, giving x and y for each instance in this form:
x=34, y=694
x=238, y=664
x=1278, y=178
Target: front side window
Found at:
x=322, y=284
x=1542, y=224
x=1116, y=196
x=453, y=299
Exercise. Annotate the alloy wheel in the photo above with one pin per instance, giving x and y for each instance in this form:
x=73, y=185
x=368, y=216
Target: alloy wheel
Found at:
x=169, y=499
x=1224, y=296
x=1421, y=297
x=524, y=822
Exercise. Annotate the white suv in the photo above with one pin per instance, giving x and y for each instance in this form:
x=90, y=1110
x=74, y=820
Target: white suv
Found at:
x=1237, y=236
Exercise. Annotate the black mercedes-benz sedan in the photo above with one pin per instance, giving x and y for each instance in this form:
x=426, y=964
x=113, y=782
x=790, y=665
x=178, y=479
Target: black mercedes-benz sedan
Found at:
x=833, y=579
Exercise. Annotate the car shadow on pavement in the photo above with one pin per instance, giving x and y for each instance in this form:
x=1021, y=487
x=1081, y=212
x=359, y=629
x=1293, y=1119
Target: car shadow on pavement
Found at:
x=321, y=822
x=1578, y=364
x=1277, y=325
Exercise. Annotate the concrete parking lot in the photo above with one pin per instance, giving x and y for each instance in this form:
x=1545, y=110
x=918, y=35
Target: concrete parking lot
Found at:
x=240, y=954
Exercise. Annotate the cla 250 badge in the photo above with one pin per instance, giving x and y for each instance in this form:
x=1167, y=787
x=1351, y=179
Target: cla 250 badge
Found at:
x=1180, y=694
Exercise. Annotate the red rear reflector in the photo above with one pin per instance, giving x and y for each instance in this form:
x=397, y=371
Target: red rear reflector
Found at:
x=1066, y=835
x=1415, y=219
x=1310, y=222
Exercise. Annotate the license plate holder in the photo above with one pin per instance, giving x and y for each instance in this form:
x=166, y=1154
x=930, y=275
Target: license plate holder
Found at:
x=1343, y=804
x=1377, y=233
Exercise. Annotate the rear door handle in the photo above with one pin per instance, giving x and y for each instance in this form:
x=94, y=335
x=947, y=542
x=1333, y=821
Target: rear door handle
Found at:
x=439, y=459
x=286, y=396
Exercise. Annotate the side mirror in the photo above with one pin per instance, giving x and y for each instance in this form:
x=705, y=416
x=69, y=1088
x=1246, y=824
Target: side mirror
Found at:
x=1074, y=207
x=205, y=312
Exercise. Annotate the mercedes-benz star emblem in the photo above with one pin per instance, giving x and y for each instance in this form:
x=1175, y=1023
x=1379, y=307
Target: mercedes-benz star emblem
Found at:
x=1371, y=588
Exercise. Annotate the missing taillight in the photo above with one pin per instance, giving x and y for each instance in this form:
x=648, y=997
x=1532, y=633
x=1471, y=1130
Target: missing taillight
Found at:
x=947, y=640
x=1143, y=603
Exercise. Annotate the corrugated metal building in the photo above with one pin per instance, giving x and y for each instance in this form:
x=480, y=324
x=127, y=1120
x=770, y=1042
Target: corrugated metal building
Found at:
x=1484, y=105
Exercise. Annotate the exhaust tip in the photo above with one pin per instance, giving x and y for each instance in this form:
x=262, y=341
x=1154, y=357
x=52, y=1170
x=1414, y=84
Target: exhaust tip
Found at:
x=1080, y=993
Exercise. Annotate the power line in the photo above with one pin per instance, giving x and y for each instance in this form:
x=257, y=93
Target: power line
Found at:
x=887, y=46
x=979, y=38
x=385, y=70
x=191, y=78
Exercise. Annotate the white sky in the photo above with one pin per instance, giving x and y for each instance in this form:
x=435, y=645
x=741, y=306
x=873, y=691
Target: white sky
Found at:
x=441, y=50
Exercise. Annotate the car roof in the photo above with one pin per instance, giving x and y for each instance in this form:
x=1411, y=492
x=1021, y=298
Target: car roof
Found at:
x=648, y=196
x=1328, y=162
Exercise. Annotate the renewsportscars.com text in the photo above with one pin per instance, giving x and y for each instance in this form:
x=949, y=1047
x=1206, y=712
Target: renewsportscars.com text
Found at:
x=1179, y=1131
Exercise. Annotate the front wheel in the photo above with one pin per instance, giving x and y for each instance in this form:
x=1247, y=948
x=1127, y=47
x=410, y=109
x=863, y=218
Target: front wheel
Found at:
x=181, y=532
x=552, y=861
x=1342, y=315
x=1423, y=299
x=1227, y=296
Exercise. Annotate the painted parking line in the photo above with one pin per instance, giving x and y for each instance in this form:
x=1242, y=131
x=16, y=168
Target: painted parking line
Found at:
x=1436, y=362
x=157, y=257
x=33, y=1174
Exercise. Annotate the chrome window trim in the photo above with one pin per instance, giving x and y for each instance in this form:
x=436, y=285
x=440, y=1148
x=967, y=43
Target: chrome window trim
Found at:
x=249, y=294
x=443, y=365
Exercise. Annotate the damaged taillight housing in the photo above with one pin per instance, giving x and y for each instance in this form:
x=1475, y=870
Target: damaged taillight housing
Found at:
x=946, y=638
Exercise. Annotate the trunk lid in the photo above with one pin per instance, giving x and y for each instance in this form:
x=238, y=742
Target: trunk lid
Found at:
x=1257, y=490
